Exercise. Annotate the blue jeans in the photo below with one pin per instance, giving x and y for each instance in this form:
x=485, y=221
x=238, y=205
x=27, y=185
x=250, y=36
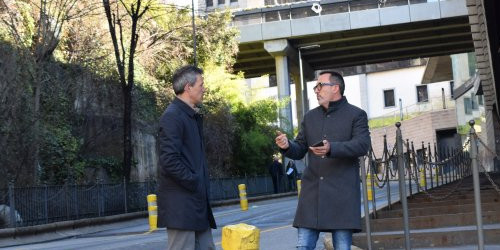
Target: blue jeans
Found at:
x=342, y=239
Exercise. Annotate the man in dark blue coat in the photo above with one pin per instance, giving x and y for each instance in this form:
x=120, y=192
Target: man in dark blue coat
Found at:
x=183, y=205
x=330, y=199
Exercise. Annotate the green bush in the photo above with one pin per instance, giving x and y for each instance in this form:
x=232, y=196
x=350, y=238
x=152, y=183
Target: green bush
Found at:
x=111, y=165
x=59, y=159
x=254, y=147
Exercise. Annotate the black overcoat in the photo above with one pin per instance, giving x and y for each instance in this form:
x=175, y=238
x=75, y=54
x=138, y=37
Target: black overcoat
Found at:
x=330, y=196
x=183, y=176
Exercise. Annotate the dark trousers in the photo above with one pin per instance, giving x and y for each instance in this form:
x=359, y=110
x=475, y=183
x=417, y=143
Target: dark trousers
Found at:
x=275, y=184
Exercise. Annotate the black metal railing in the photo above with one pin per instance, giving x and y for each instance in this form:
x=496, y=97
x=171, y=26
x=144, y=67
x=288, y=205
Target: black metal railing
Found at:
x=419, y=171
x=28, y=206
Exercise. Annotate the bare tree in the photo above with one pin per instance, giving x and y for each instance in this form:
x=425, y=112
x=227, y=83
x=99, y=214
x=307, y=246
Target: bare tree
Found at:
x=125, y=63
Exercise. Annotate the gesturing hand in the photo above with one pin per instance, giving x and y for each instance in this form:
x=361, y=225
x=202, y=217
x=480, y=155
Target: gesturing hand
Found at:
x=282, y=140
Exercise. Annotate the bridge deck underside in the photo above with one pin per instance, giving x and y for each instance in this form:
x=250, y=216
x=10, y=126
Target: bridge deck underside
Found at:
x=367, y=46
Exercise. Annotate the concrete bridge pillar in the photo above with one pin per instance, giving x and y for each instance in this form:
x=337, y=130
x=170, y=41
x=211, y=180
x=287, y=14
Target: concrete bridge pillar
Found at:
x=278, y=49
x=287, y=65
x=299, y=99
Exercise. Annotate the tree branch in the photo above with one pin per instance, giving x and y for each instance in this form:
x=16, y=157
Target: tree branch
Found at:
x=112, y=31
x=126, y=9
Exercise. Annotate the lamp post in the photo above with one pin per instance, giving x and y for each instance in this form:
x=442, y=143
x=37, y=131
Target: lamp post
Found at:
x=194, y=33
x=305, y=99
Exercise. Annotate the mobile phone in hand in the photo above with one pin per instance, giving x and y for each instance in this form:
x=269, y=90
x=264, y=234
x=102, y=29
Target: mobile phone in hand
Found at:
x=318, y=144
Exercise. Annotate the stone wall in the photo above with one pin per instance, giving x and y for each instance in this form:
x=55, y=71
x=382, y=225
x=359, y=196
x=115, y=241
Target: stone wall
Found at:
x=490, y=128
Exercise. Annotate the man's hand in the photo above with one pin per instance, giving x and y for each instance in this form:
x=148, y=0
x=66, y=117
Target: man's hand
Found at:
x=321, y=150
x=282, y=140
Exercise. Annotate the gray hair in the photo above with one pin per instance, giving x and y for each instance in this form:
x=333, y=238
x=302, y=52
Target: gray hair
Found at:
x=185, y=75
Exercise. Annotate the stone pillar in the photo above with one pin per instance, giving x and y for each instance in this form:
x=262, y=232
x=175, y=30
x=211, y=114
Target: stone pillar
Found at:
x=298, y=96
x=278, y=49
x=363, y=91
x=480, y=29
x=283, y=80
x=489, y=135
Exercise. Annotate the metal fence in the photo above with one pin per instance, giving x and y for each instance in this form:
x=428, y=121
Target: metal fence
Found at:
x=28, y=206
x=426, y=170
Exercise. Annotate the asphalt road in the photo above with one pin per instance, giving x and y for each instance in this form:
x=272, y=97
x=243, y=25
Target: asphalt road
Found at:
x=272, y=217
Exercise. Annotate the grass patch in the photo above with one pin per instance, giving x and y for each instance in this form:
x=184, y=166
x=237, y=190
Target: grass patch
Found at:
x=381, y=122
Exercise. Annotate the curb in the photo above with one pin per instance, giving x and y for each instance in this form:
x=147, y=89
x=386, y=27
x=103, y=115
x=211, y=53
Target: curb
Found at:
x=255, y=198
x=74, y=224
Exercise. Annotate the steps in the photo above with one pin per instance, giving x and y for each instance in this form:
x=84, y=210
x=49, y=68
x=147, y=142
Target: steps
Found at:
x=433, y=223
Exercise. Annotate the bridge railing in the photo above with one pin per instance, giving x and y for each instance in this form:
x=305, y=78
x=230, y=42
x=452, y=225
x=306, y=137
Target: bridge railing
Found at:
x=303, y=9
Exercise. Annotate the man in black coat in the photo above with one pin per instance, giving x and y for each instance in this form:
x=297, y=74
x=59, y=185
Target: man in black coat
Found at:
x=333, y=135
x=276, y=172
x=183, y=205
x=291, y=173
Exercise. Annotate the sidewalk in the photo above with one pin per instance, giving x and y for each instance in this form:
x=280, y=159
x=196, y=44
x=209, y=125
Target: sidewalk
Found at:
x=70, y=232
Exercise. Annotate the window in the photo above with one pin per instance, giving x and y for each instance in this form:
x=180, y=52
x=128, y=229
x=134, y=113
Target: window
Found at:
x=468, y=106
x=422, y=95
x=473, y=102
x=302, y=12
x=221, y=2
x=277, y=15
x=389, y=98
x=233, y=1
x=480, y=100
x=210, y=3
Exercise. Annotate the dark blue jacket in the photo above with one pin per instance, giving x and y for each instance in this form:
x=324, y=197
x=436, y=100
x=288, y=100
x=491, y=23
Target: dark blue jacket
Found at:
x=183, y=181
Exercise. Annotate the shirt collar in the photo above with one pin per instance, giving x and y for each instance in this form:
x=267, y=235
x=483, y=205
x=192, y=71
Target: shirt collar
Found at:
x=184, y=107
x=332, y=106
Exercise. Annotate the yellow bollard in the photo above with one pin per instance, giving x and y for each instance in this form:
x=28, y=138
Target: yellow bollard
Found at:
x=369, y=187
x=240, y=237
x=243, y=197
x=423, y=181
x=299, y=187
x=153, y=212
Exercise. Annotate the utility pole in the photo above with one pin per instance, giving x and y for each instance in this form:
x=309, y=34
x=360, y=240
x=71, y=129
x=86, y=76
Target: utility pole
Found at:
x=194, y=33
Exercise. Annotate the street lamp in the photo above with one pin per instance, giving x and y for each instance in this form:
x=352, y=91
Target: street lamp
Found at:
x=305, y=99
x=194, y=33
